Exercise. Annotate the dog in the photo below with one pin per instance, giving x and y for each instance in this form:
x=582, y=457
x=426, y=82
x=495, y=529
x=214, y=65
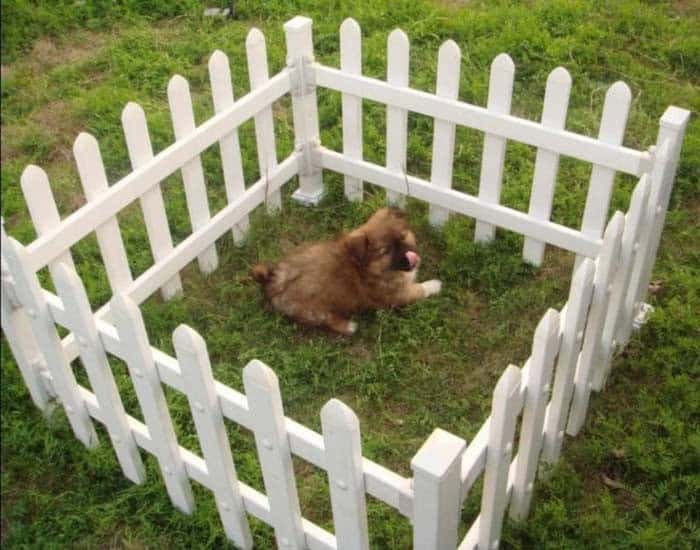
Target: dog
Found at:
x=325, y=283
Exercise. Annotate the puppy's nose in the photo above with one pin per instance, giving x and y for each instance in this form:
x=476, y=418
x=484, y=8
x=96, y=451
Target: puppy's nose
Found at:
x=413, y=259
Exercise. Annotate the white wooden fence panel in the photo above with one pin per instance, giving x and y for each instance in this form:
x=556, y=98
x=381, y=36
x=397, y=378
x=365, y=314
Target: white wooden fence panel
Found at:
x=138, y=143
x=267, y=416
x=147, y=384
x=449, y=61
x=343, y=457
x=612, y=130
x=494, y=152
x=574, y=322
x=94, y=180
x=437, y=491
x=590, y=353
x=556, y=104
x=192, y=171
x=192, y=355
x=397, y=118
x=229, y=145
x=94, y=358
x=30, y=295
x=256, y=52
x=351, y=62
x=545, y=347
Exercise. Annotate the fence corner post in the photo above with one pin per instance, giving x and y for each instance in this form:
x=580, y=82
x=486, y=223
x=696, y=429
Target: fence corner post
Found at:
x=437, y=490
x=300, y=57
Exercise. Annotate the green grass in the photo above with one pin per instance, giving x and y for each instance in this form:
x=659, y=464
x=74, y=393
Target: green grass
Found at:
x=69, y=67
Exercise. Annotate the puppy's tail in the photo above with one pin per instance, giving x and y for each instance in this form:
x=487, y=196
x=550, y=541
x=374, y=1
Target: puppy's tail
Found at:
x=262, y=273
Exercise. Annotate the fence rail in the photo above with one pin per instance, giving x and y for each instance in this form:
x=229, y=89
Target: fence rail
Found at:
x=571, y=350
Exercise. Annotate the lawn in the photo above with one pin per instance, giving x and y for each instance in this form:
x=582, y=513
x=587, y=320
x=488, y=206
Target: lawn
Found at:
x=630, y=480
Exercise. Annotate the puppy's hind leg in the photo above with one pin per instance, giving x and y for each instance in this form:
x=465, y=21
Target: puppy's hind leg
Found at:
x=341, y=325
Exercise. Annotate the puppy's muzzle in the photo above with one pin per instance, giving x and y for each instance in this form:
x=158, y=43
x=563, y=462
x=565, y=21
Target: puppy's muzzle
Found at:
x=406, y=260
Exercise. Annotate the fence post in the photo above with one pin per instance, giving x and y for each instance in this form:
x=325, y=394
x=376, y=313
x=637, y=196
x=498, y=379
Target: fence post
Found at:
x=300, y=56
x=493, y=156
x=92, y=353
x=144, y=374
x=612, y=130
x=545, y=347
x=397, y=118
x=437, y=491
x=191, y=351
x=267, y=414
x=343, y=457
x=94, y=180
x=556, y=104
x=449, y=64
x=222, y=94
x=138, y=143
x=192, y=172
x=351, y=62
x=256, y=52
x=572, y=335
x=606, y=265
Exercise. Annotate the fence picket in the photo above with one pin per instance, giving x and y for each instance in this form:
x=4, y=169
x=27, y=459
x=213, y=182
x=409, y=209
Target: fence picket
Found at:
x=31, y=296
x=192, y=172
x=191, y=351
x=267, y=414
x=612, y=130
x=147, y=384
x=256, y=52
x=92, y=353
x=545, y=347
x=222, y=94
x=351, y=62
x=556, y=104
x=94, y=180
x=449, y=61
x=343, y=452
x=606, y=266
x=138, y=143
x=397, y=118
x=437, y=491
x=493, y=156
x=577, y=306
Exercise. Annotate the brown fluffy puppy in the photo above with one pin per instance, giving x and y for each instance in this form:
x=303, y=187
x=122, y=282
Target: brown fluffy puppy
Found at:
x=325, y=283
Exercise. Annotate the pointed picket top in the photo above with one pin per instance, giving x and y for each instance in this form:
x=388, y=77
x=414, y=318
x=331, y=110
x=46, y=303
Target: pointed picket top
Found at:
x=556, y=97
x=132, y=111
x=397, y=48
x=177, y=86
x=337, y=413
x=616, y=107
x=86, y=146
x=188, y=339
x=640, y=195
x=507, y=385
x=559, y=76
x=34, y=180
x=349, y=29
x=613, y=231
x=547, y=328
x=260, y=374
x=450, y=52
x=217, y=60
x=502, y=73
x=255, y=39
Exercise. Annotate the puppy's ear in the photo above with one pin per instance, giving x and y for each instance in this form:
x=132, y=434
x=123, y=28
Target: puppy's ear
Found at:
x=357, y=245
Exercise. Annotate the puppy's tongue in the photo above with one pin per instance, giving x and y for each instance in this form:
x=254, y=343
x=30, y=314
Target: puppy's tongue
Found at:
x=413, y=259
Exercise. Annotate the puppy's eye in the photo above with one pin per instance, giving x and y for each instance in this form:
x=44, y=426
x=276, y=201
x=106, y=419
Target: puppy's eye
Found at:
x=384, y=250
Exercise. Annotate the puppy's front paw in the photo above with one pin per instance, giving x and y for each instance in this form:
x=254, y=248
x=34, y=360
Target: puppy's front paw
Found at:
x=431, y=287
x=352, y=328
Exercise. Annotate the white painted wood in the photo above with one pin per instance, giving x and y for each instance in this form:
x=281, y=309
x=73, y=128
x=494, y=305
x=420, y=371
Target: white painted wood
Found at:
x=449, y=64
x=574, y=322
x=147, y=384
x=504, y=411
x=525, y=131
x=343, y=450
x=494, y=153
x=556, y=104
x=256, y=52
x=94, y=180
x=474, y=458
x=612, y=130
x=351, y=62
x=456, y=201
x=94, y=358
x=132, y=186
x=606, y=265
x=192, y=171
x=30, y=295
x=222, y=94
x=545, y=347
x=192, y=355
x=437, y=491
x=300, y=56
x=138, y=143
x=396, y=117
x=271, y=441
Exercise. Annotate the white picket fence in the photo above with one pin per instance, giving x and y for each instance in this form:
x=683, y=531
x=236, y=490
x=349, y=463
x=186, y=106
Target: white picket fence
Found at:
x=571, y=350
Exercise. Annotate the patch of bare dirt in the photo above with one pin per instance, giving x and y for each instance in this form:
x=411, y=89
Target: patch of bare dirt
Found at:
x=48, y=53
